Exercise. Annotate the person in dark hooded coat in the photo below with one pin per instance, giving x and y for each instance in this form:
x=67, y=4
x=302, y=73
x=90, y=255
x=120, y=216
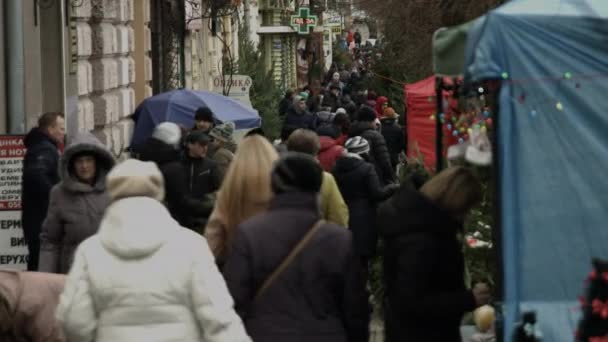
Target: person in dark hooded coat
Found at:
x=362, y=191
x=77, y=203
x=163, y=149
x=424, y=265
x=320, y=296
x=393, y=134
x=378, y=154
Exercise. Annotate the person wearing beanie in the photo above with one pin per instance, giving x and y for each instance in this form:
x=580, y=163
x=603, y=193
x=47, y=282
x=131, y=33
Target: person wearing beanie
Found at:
x=332, y=99
x=362, y=191
x=320, y=296
x=76, y=204
x=286, y=102
x=202, y=176
x=222, y=147
x=378, y=155
x=204, y=120
x=163, y=148
x=333, y=207
x=381, y=105
x=298, y=115
x=335, y=81
x=393, y=134
x=142, y=277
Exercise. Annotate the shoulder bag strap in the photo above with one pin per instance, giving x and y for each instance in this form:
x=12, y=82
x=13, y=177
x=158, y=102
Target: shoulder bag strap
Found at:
x=289, y=258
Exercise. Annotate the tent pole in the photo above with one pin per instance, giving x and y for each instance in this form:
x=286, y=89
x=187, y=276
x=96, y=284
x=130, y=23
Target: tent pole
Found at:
x=438, y=125
x=497, y=231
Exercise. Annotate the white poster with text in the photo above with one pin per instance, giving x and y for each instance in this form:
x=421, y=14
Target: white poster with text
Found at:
x=13, y=249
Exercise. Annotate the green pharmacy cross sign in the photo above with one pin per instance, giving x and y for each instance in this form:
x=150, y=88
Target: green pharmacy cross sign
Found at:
x=304, y=21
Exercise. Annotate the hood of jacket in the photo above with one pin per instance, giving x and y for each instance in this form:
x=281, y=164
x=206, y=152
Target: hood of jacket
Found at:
x=136, y=227
x=359, y=127
x=86, y=143
x=409, y=211
x=326, y=143
x=37, y=136
x=349, y=163
x=158, y=152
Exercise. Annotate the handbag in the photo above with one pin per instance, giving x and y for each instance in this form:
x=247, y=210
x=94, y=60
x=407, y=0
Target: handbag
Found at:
x=289, y=258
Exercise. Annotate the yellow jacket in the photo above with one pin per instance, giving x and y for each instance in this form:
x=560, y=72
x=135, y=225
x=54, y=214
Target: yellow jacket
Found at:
x=332, y=204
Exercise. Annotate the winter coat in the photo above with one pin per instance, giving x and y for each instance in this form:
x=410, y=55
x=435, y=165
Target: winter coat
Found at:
x=203, y=181
x=295, y=120
x=331, y=101
x=40, y=174
x=180, y=203
x=378, y=153
x=317, y=298
x=222, y=156
x=145, y=278
x=394, y=135
x=329, y=153
x=361, y=189
x=423, y=270
x=76, y=208
x=333, y=207
x=32, y=298
x=284, y=106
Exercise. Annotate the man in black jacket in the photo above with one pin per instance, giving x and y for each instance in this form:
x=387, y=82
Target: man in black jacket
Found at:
x=378, y=155
x=163, y=149
x=40, y=174
x=393, y=134
x=202, y=175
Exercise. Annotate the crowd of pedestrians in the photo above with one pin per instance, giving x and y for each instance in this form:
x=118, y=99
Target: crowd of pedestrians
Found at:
x=203, y=238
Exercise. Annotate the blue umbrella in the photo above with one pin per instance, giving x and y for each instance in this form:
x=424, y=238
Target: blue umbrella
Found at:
x=179, y=106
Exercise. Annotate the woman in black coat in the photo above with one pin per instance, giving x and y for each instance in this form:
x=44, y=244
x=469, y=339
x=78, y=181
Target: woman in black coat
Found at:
x=362, y=191
x=424, y=263
x=320, y=296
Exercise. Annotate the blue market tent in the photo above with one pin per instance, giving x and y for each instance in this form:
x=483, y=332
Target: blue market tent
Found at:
x=179, y=106
x=552, y=58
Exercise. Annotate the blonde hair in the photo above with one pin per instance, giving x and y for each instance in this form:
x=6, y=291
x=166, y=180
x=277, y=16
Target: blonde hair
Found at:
x=246, y=190
x=456, y=190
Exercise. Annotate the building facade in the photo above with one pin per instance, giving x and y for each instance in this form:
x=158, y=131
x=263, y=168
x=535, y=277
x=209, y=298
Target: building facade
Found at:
x=87, y=58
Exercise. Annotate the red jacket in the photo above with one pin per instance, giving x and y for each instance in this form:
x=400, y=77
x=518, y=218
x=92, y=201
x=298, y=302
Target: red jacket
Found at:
x=329, y=153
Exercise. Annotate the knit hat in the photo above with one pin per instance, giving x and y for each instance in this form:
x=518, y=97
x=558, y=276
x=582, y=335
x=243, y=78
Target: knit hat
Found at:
x=134, y=178
x=303, y=96
x=197, y=137
x=357, y=145
x=341, y=110
x=169, y=133
x=296, y=172
x=223, y=132
x=204, y=114
x=366, y=114
x=390, y=113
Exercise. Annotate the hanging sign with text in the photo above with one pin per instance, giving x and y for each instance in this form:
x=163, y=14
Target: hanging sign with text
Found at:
x=13, y=249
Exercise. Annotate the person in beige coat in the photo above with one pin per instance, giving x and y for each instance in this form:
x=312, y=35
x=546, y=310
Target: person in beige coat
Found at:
x=244, y=193
x=27, y=306
x=76, y=204
x=143, y=277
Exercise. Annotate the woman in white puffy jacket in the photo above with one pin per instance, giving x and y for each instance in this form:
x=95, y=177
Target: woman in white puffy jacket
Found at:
x=142, y=277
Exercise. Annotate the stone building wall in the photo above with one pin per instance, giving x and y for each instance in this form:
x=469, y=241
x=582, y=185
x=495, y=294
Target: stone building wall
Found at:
x=106, y=67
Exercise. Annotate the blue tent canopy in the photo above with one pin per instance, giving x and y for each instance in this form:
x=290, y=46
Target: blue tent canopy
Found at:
x=552, y=56
x=179, y=106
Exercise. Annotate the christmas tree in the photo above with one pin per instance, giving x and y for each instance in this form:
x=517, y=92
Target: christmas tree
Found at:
x=594, y=324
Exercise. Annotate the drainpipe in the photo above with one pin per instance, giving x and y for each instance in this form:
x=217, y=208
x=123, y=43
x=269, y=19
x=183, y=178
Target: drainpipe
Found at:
x=13, y=21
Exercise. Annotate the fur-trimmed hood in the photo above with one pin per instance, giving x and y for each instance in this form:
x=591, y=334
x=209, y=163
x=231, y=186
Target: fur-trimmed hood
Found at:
x=86, y=143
